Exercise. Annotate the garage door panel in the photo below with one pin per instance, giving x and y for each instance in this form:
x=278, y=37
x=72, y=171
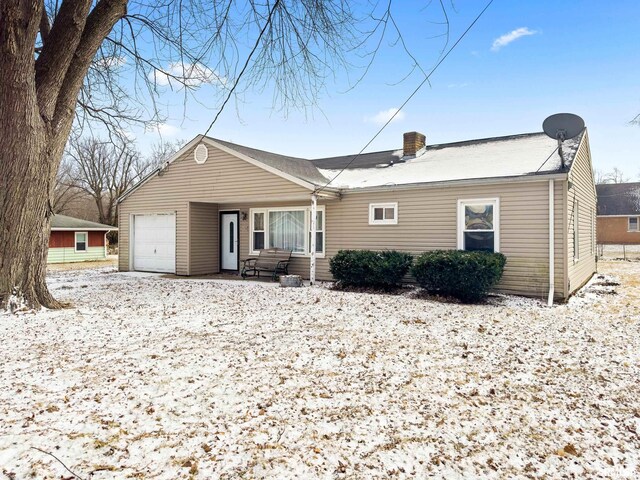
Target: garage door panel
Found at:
x=154, y=246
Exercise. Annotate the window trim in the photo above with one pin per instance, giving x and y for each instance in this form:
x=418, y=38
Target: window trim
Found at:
x=307, y=226
x=75, y=242
x=576, y=231
x=462, y=202
x=637, y=229
x=373, y=206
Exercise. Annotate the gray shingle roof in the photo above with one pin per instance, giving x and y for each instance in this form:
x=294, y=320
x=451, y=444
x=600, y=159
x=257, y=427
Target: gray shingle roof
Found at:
x=618, y=198
x=371, y=160
x=298, y=167
x=522, y=160
x=63, y=221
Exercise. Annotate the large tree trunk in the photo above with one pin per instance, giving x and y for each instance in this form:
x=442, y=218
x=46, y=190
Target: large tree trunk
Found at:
x=25, y=174
x=37, y=106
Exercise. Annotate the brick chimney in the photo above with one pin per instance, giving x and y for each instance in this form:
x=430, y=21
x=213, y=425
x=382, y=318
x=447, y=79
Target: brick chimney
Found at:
x=413, y=141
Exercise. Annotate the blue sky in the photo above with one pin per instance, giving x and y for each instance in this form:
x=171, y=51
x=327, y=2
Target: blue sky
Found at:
x=580, y=57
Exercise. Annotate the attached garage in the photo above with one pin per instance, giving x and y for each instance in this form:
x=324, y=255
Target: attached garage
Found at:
x=154, y=243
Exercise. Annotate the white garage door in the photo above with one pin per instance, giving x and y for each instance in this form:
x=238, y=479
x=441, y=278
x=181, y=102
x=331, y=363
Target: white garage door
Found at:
x=154, y=243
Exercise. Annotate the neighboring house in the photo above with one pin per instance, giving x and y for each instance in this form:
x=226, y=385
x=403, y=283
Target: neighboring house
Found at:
x=215, y=203
x=76, y=240
x=618, y=213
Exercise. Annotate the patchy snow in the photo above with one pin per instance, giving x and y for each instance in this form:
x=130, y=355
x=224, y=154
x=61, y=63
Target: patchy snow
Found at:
x=152, y=377
x=497, y=158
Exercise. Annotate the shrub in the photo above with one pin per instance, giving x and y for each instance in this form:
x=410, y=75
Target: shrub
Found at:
x=366, y=268
x=467, y=276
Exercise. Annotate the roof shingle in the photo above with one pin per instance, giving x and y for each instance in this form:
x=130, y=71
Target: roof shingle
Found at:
x=618, y=198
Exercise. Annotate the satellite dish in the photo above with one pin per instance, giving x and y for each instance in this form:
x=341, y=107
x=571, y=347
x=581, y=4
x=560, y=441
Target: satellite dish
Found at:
x=562, y=126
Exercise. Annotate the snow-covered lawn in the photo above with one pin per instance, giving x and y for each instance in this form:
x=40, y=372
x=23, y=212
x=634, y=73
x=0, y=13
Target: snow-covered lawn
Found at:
x=149, y=377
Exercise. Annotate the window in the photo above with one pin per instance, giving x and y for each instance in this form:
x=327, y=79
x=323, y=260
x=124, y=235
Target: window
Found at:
x=81, y=241
x=287, y=230
x=286, y=227
x=634, y=224
x=478, y=225
x=593, y=230
x=383, y=213
x=258, y=230
x=319, y=231
x=576, y=231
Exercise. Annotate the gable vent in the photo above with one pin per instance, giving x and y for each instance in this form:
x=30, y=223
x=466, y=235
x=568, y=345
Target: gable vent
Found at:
x=201, y=153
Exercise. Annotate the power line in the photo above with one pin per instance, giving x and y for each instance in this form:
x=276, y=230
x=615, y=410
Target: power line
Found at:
x=426, y=79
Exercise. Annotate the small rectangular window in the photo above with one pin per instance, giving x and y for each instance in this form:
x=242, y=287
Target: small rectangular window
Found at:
x=478, y=225
x=81, y=241
x=633, y=224
x=383, y=213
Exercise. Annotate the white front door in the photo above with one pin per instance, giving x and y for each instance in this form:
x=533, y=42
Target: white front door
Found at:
x=154, y=243
x=229, y=241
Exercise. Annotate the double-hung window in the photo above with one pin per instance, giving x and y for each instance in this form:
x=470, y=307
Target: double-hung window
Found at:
x=81, y=241
x=634, y=224
x=257, y=230
x=478, y=225
x=319, y=231
x=286, y=227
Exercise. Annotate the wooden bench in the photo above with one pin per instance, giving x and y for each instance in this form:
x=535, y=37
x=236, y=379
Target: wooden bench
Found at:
x=273, y=260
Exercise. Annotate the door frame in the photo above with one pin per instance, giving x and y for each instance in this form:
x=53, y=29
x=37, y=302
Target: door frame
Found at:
x=237, y=214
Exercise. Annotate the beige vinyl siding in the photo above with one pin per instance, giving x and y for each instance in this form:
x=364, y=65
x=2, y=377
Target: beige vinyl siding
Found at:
x=427, y=220
x=583, y=194
x=223, y=177
x=203, y=238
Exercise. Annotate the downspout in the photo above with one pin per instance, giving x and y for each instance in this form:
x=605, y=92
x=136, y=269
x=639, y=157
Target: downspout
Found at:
x=551, y=244
x=312, y=247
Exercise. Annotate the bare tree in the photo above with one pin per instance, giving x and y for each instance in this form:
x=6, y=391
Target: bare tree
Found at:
x=613, y=176
x=65, y=191
x=108, y=60
x=162, y=151
x=104, y=170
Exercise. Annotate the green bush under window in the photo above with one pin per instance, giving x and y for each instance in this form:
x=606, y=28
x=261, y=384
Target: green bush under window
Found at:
x=467, y=276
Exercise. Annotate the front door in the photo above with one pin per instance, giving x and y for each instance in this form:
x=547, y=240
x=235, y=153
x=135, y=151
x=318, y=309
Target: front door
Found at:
x=229, y=241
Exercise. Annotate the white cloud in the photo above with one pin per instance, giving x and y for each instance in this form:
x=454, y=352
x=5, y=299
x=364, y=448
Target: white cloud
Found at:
x=193, y=75
x=164, y=129
x=457, y=85
x=384, y=115
x=507, y=38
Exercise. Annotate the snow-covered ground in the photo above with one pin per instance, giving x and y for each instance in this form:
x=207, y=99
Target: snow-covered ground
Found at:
x=149, y=377
x=619, y=252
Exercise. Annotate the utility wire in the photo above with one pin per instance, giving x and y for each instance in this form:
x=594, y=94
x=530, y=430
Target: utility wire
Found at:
x=426, y=79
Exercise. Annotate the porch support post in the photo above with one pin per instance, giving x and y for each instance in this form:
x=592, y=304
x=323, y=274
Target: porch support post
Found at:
x=312, y=247
x=552, y=271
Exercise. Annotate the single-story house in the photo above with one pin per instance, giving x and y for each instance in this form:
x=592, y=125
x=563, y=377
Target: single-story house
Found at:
x=215, y=203
x=76, y=240
x=618, y=213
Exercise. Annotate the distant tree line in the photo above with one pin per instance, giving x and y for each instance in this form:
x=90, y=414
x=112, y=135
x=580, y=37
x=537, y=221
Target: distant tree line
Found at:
x=95, y=172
